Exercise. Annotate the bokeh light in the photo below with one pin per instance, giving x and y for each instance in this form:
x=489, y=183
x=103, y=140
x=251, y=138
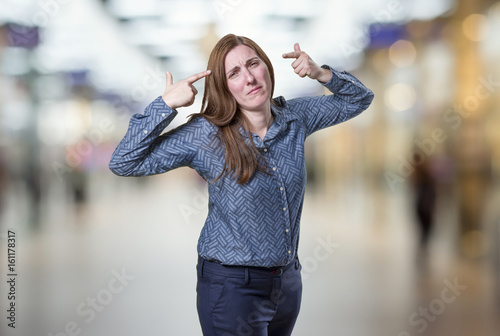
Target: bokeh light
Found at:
x=476, y=27
x=400, y=97
x=402, y=53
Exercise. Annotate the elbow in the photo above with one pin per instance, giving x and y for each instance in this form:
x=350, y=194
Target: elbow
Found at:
x=122, y=166
x=116, y=170
x=119, y=169
x=368, y=99
x=364, y=103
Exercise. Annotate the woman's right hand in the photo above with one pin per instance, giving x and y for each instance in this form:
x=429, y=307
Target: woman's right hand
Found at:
x=181, y=93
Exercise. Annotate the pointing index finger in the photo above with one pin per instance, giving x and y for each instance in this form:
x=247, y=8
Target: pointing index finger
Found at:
x=198, y=76
x=293, y=54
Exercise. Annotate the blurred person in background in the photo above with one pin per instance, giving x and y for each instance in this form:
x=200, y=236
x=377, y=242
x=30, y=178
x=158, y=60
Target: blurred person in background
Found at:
x=249, y=147
x=78, y=181
x=424, y=184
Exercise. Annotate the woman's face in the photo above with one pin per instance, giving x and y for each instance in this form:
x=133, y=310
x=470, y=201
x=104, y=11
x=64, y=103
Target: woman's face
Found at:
x=247, y=78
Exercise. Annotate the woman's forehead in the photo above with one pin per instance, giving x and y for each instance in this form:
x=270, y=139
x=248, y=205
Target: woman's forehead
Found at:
x=239, y=55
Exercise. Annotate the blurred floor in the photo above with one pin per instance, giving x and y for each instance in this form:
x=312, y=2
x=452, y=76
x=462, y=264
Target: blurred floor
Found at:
x=360, y=271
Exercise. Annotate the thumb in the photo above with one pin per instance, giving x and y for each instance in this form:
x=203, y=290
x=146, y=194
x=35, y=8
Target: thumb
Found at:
x=170, y=79
x=296, y=47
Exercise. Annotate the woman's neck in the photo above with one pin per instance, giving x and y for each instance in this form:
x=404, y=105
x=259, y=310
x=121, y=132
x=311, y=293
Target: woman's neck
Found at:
x=260, y=120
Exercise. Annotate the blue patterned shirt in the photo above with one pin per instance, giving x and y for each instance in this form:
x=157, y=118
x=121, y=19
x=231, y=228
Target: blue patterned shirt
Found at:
x=258, y=223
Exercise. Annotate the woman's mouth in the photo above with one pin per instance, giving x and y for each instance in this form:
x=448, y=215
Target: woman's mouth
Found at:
x=255, y=90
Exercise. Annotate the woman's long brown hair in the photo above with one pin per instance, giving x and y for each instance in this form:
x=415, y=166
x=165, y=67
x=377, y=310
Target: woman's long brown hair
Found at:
x=221, y=108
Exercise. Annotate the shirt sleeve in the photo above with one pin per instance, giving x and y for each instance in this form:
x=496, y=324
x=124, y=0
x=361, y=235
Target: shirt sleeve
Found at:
x=350, y=98
x=143, y=151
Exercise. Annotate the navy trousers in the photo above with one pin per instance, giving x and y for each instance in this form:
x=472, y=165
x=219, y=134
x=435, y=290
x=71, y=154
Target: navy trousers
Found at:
x=248, y=301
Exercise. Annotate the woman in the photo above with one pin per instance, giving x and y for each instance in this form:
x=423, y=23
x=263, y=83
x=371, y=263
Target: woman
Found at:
x=249, y=147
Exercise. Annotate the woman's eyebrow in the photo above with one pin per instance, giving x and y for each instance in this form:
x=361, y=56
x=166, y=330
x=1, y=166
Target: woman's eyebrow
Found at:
x=237, y=67
x=253, y=58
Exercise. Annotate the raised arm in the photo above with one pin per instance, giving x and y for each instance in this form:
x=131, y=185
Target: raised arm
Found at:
x=350, y=97
x=143, y=151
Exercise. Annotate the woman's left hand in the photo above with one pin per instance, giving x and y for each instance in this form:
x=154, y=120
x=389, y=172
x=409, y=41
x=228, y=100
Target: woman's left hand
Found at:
x=305, y=66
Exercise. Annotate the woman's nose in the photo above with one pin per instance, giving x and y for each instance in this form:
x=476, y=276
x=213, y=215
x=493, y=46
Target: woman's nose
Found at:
x=249, y=76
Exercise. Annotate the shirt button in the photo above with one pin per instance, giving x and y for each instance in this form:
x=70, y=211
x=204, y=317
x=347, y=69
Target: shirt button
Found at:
x=289, y=251
x=284, y=209
x=145, y=131
x=286, y=230
x=265, y=149
x=274, y=168
x=281, y=188
x=163, y=114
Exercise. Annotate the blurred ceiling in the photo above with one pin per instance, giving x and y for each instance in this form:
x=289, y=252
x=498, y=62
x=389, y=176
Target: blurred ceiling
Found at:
x=119, y=42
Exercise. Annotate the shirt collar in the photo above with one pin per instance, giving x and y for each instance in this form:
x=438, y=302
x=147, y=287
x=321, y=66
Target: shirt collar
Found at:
x=282, y=116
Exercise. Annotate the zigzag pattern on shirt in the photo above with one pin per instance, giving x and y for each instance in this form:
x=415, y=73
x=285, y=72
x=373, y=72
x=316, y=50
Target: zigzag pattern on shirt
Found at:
x=255, y=224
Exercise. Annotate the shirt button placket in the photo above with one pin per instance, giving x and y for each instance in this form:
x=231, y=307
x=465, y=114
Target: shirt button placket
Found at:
x=284, y=209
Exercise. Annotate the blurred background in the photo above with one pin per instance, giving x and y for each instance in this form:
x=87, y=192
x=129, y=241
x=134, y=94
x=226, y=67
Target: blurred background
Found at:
x=401, y=223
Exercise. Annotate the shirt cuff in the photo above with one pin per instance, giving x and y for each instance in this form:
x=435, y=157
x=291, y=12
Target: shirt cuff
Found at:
x=339, y=78
x=156, y=117
x=159, y=110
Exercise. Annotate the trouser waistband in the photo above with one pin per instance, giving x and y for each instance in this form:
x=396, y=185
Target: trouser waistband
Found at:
x=215, y=267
